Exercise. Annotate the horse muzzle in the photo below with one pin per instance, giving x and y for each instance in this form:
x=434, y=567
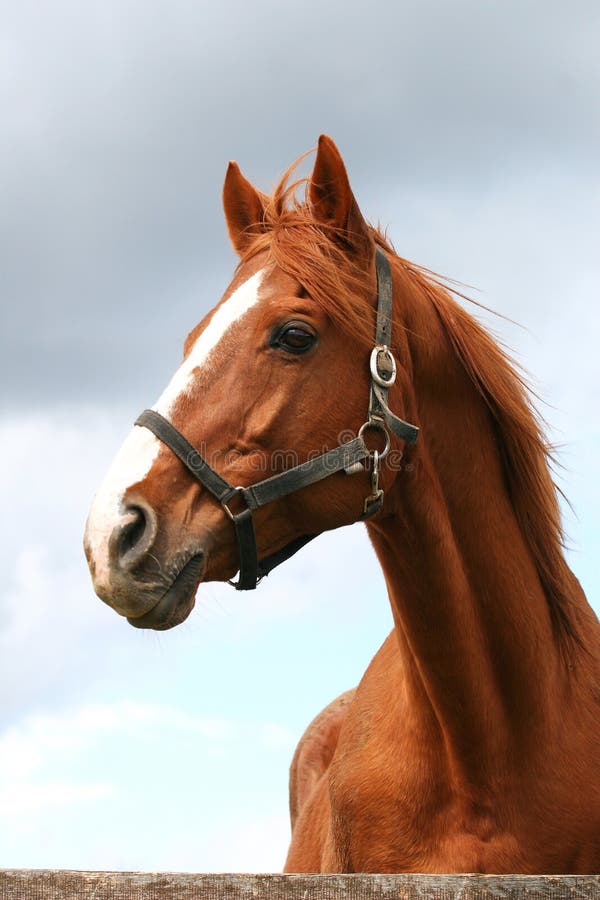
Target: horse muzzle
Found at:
x=177, y=602
x=132, y=576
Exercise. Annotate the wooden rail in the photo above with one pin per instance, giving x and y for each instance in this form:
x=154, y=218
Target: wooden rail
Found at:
x=23, y=884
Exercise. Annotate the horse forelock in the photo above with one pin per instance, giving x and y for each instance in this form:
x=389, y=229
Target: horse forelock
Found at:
x=338, y=276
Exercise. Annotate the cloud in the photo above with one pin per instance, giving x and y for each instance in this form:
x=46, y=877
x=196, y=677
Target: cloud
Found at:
x=94, y=763
x=26, y=800
x=51, y=619
x=119, y=126
x=35, y=743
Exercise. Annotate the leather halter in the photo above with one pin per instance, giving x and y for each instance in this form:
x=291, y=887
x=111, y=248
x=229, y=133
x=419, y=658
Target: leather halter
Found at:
x=348, y=457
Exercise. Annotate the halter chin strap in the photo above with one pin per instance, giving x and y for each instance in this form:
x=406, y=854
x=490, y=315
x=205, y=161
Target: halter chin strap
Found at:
x=240, y=502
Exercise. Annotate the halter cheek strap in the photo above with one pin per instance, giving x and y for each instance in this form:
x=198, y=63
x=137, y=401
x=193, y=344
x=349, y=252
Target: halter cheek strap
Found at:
x=348, y=457
x=382, y=363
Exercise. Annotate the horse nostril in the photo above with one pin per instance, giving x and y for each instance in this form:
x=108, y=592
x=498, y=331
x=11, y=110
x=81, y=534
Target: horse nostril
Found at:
x=133, y=536
x=131, y=532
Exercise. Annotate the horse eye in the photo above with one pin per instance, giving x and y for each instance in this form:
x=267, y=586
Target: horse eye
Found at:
x=296, y=337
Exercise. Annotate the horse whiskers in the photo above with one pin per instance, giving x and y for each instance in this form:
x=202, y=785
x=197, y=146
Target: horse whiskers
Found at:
x=157, y=561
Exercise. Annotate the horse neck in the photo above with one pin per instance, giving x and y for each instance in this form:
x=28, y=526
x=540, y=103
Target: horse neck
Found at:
x=477, y=644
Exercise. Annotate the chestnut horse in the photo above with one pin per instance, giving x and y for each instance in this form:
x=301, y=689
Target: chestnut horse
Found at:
x=472, y=743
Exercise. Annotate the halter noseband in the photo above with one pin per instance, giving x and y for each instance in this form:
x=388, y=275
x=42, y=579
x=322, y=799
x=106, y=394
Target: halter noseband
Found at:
x=347, y=457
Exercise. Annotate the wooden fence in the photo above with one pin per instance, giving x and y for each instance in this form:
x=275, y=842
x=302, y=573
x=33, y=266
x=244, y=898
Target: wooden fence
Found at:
x=23, y=884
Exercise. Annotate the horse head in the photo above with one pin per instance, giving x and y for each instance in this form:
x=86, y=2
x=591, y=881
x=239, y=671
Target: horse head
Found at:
x=276, y=375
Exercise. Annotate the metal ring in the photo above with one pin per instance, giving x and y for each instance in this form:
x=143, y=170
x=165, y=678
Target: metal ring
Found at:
x=374, y=423
x=375, y=375
x=239, y=491
x=234, y=584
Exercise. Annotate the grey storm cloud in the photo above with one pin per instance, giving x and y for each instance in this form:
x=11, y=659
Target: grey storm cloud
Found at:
x=119, y=119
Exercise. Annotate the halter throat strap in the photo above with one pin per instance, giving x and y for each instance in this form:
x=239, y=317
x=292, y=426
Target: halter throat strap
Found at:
x=348, y=457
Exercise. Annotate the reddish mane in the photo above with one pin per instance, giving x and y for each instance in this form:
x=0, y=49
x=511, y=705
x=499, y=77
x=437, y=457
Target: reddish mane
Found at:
x=345, y=290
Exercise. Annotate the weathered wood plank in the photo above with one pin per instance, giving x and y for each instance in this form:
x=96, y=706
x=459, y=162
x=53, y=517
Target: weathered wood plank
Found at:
x=18, y=884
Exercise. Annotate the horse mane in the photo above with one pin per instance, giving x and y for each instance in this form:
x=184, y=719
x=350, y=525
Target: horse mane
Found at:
x=340, y=283
x=526, y=454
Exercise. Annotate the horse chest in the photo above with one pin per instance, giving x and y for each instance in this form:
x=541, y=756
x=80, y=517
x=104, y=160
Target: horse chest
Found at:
x=386, y=799
x=392, y=810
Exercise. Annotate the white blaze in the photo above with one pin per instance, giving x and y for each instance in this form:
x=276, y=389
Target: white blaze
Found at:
x=140, y=449
x=224, y=317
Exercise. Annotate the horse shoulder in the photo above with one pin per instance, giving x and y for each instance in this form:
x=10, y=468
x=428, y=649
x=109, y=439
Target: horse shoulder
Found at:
x=315, y=751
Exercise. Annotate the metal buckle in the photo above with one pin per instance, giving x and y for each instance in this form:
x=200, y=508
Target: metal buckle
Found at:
x=237, y=492
x=373, y=363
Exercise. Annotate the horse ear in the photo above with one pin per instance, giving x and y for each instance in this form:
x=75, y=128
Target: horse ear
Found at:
x=331, y=197
x=244, y=209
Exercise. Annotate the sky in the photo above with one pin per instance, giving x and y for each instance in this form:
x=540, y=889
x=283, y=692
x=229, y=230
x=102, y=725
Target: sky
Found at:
x=472, y=131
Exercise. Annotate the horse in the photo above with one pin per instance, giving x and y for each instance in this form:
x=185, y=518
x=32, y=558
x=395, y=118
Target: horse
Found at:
x=360, y=386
